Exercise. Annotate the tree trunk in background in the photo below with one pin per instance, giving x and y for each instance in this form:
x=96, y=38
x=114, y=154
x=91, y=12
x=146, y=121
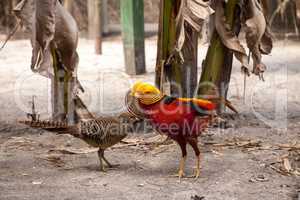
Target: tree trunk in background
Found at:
x=133, y=34
x=104, y=21
x=94, y=23
x=98, y=27
x=91, y=14
x=217, y=66
x=175, y=78
x=8, y=11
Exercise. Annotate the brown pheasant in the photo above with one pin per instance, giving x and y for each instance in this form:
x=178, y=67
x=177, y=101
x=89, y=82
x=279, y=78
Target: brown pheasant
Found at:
x=101, y=132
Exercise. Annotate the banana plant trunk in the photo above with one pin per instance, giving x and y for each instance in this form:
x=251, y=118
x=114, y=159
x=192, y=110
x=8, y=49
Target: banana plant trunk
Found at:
x=284, y=20
x=68, y=4
x=217, y=66
x=175, y=78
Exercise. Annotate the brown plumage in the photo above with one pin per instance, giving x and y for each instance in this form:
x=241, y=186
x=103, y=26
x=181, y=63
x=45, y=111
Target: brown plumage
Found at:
x=101, y=132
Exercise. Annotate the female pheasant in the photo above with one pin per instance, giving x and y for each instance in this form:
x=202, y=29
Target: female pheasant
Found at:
x=182, y=119
x=100, y=132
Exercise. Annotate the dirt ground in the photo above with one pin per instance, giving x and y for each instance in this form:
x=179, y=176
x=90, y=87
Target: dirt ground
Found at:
x=256, y=157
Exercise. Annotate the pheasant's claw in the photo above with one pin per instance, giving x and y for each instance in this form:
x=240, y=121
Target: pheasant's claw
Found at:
x=196, y=174
x=180, y=174
x=113, y=166
x=102, y=169
x=197, y=169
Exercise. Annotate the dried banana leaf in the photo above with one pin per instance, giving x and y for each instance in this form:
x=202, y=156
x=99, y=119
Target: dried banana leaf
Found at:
x=228, y=37
x=51, y=26
x=24, y=11
x=54, y=38
x=258, y=36
x=193, y=13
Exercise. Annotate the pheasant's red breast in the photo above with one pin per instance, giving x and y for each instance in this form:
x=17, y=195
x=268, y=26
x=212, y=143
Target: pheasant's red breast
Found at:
x=174, y=116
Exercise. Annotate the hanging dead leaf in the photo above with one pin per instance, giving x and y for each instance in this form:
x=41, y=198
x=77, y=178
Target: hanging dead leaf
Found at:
x=191, y=13
x=24, y=11
x=258, y=36
x=229, y=39
x=51, y=27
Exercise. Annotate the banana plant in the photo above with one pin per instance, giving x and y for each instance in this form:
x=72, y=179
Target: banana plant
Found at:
x=54, y=37
x=176, y=65
x=229, y=17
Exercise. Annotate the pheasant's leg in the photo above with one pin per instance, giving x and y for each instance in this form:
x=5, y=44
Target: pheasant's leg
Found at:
x=194, y=143
x=100, y=155
x=181, y=167
x=108, y=163
x=197, y=170
x=182, y=144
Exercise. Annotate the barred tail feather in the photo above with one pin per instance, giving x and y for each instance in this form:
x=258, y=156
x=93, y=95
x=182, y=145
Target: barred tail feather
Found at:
x=53, y=126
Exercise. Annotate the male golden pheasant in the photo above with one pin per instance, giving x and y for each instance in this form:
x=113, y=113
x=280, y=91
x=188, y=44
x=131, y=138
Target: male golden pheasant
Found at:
x=182, y=119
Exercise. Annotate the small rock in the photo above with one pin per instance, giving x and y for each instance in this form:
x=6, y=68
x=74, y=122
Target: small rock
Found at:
x=37, y=182
x=196, y=197
x=68, y=143
x=284, y=186
x=259, y=178
x=141, y=185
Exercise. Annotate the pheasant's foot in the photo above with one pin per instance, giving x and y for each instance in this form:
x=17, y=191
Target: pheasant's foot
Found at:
x=113, y=166
x=197, y=170
x=109, y=165
x=196, y=174
x=180, y=174
x=181, y=167
x=102, y=168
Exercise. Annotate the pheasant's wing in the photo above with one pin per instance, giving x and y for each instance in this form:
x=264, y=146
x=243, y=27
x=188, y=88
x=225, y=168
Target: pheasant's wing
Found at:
x=101, y=127
x=102, y=132
x=201, y=106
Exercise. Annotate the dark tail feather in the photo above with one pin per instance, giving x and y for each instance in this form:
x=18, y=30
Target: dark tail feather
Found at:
x=224, y=101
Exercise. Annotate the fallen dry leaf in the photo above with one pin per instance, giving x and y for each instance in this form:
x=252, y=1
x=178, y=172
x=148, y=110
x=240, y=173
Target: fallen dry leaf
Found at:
x=74, y=151
x=259, y=178
x=37, y=182
x=287, y=165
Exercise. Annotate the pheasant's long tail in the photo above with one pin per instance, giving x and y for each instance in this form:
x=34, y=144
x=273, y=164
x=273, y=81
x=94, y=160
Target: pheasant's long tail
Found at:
x=52, y=126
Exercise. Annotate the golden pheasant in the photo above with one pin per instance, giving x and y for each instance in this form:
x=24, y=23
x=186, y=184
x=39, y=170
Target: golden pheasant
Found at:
x=182, y=119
